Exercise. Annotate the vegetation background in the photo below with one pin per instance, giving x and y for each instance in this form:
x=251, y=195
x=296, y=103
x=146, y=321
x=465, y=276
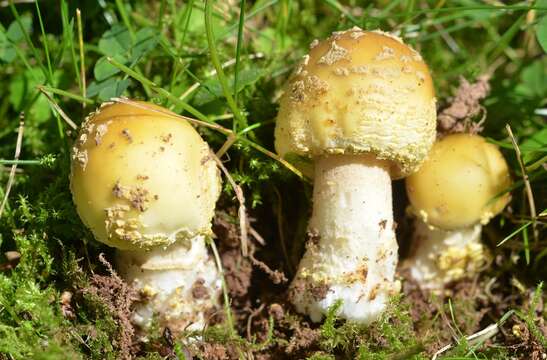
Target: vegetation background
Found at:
x=224, y=62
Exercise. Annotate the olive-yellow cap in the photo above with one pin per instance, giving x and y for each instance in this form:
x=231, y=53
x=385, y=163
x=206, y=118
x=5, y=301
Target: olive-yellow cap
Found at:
x=141, y=177
x=359, y=92
x=457, y=185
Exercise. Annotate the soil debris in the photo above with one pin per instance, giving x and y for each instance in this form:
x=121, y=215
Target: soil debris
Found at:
x=464, y=107
x=127, y=135
x=137, y=196
x=276, y=311
x=117, y=297
x=315, y=289
x=217, y=351
x=199, y=290
x=66, y=305
x=303, y=338
x=12, y=259
x=277, y=277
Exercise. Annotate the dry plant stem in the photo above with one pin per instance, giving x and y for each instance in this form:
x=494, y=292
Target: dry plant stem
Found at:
x=220, y=129
x=352, y=253
x=527, y=186
x=179, y=283
x=441, y=256
x=82, y=56
x=242, y=212
x=473, y=339
x=58, y=109
x=14, y=166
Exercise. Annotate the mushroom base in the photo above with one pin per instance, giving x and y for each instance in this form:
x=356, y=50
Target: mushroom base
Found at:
x=179, y=284
x=442, y=256
x=351, y=251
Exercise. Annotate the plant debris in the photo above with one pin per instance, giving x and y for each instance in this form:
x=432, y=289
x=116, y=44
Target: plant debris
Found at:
x=117, y=297
x=464, y=107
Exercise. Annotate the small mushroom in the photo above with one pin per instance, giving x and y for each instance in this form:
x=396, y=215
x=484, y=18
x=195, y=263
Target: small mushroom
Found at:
x=361, y=105
x=456, y=191
x=143, y=182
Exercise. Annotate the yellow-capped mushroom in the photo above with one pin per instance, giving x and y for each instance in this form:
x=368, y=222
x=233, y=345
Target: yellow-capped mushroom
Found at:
x=143, y=181
x=456, y=191
x=362, y=106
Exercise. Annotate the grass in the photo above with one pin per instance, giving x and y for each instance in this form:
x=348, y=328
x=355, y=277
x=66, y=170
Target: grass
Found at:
x=223, y=64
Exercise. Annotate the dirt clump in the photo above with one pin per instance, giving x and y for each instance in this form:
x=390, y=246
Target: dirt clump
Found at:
x=117, y=297
x=238, y=269
x=464, y=107
x=302, y=339
x=199, y=290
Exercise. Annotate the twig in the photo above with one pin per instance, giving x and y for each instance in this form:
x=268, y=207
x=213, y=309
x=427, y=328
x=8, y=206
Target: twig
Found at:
x=171, y=114
x=82, y=57
x=250, y=320
x=444, y=34
x=477, y=337
x=229, y=318
x=218, y=128
x=227, y=144
x=242, y=213
x=276, y=276
x=526, y=180
x=58, y=109
x=8, y=169
x=14, y=166
x=257, y=236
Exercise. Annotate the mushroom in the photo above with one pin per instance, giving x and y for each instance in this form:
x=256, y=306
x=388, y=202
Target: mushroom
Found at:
x=362, y=106
x=455, y=192
x=143, y=181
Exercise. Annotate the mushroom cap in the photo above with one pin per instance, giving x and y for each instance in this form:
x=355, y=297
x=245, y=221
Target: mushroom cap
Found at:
x=457, y=185
x=141, y=178
x=359, y=92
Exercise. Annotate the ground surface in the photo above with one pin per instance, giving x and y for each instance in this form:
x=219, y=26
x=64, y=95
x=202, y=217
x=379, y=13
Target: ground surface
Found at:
x=59, y=297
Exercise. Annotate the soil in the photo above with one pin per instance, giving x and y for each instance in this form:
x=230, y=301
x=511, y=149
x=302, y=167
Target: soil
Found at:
x=458, y=115
x=118, y=297
x=260, y=298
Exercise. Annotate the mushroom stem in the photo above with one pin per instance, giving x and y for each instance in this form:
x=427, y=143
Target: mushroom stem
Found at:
x=179, y=284
x=352, y=252
x=440, y=256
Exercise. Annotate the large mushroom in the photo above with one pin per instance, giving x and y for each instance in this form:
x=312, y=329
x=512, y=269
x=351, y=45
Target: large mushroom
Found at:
x=456, y=191
x=362, y=106
x=143, y=181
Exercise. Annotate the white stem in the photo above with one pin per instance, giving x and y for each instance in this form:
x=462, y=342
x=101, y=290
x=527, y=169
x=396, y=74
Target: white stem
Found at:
x=352, y=252
x=441, y=256
x=180, y=284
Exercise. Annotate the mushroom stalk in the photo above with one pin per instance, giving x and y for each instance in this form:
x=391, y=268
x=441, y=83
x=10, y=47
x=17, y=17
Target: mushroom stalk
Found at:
x=441, y=256
x=180, y=284
x=352, y=252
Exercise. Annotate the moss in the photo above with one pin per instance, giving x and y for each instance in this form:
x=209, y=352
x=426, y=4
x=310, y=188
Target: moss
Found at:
x=392, y=336
x=58, y=254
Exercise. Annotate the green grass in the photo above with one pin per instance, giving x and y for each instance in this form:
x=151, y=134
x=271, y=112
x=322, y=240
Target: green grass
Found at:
x=239, y=54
